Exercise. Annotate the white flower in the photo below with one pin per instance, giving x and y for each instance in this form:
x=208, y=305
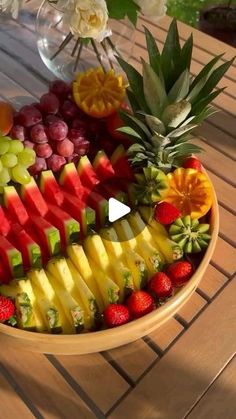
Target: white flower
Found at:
x=11, y=6
x=152, y=8
x=89, y=19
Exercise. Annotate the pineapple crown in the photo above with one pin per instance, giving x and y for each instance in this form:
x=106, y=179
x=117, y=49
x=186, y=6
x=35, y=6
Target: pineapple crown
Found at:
x=167, y=102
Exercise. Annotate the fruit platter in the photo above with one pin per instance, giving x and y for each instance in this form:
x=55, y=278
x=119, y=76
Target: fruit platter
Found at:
x=72, y=280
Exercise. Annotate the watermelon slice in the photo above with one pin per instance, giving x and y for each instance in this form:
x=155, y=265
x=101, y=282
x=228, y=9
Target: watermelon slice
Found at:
x=103, y=166
x=11, y=258
x=5, y=276
x=80, y=212
x=5, y=226
x=30, y=250
x=50, y=188
x=33, y=198
x=14, y=205
x=49, y=235
x=121, y=164
x=112, y=189
x=87, y=174
x=70, y=180
x=69, y=228
x=99, y=204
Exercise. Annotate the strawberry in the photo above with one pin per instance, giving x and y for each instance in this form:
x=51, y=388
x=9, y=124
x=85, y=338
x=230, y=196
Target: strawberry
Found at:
x=113, y=122
x=7, y=308
x=140, y=303
x=192, y=163
x=179, y=272
x=160, y=285
x=166, y=213
x=116, y=315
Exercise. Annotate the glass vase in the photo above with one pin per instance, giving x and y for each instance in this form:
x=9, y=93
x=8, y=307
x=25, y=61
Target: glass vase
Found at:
x=61, y=52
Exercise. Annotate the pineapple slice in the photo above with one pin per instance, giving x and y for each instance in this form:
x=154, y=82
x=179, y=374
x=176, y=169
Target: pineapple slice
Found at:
x=151, y=256
x=25, y=286
x=168, y=247
x=138, y=268
x=78, y=257
x=92, y=314
x=125, y=234
x=73, y=310
x=108, y=288
x=112, y=243
x=51, y=306
x=147, y=215
x=96, y=250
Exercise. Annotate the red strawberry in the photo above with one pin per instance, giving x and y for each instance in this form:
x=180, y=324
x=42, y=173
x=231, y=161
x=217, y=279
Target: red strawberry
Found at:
x=179, y=272
x=7, y=308
x=116, y=315
x=160, y=285
x=192, y=163
x=166, y=213
x=140, y=303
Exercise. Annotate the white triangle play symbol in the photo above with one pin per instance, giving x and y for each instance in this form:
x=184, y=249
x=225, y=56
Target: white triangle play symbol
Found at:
x=117, y=210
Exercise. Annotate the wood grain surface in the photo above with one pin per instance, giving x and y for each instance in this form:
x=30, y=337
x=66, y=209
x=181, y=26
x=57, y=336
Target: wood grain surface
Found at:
x=185, y=369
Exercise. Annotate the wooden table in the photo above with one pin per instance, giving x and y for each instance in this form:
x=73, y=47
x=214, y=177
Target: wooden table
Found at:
x=187, y=368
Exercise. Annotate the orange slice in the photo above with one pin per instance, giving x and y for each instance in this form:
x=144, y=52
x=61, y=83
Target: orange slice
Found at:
x=97, y=93
x=6, y=118
x=190, y=191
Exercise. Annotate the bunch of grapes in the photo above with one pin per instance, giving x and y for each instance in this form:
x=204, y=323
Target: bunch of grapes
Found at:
x=15, y=159
x=58, y=131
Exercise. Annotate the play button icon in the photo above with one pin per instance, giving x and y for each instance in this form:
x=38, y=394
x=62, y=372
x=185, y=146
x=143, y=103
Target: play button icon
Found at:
x=117, y=210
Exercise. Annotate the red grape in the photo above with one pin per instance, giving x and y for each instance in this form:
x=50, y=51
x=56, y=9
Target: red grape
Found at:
x=50, y=119
x=43, y=150
x=29, y=144
x=69, y=110
x=65, y=148
x=79, y=124
x=38, y=134
x=37, y=106
x=76, y=134
x=49, y=103
x=18, y=132
x=81, y=146
x=55, y=162
x=60, y=88
x=58, y=130
x=39, y=165
x=74, y=158
x=29, y=116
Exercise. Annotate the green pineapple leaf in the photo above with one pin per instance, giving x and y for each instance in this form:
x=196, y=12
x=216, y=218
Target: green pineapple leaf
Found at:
x=132, y=101
x=214, y=79
x=206, y=100
x=181, y=87
x=171, y=53
x=155, y=124
x=186, y=54
x=136, y=83
x=188, y=150
x=176, y=113
x=154, y=54
x=154, y=90
x=181, y=131
x=135, y=123
x=129, y=131
x=206, y=71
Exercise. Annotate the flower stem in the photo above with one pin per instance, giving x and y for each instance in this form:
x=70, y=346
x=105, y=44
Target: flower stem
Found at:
x=104, y=46
x=75, y=47
x=66, y=41
x=98, y=55
x=78, y=55
x=112, y=46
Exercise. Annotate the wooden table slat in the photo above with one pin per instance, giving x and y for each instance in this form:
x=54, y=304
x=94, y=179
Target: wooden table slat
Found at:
x=10, y=402
x=166, y=334
x=212, y=281
x=192, y=308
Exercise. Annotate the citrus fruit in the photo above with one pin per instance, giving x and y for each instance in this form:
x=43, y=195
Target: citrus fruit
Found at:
x=190, y=191
x=6, y=118
x=98, y=93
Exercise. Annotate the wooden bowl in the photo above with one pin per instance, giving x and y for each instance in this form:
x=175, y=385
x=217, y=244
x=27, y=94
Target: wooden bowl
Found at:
x=112, y=338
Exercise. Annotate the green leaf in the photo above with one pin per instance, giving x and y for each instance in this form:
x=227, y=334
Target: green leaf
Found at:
x=200, y=106
x=120, y=9
x=182, y=131
x=153, y=53
x=206, y=71
x=186, y=54
x=129, y=131
x=136, y=83
x=214, y=79
x=136, y=124
x=132, y=101
x=188, y=149
x=171, y=52
x=155, y=124
x=154, y=90
x=181, y=87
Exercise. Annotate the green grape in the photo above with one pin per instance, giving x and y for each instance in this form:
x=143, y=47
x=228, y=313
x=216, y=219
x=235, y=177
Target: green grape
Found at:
x=20, y=174
x=27, y=157
x=1, y=165
x=1, y=189
x=9, y=160
x=4, y=147
x=4, y=176
x=16, y=146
